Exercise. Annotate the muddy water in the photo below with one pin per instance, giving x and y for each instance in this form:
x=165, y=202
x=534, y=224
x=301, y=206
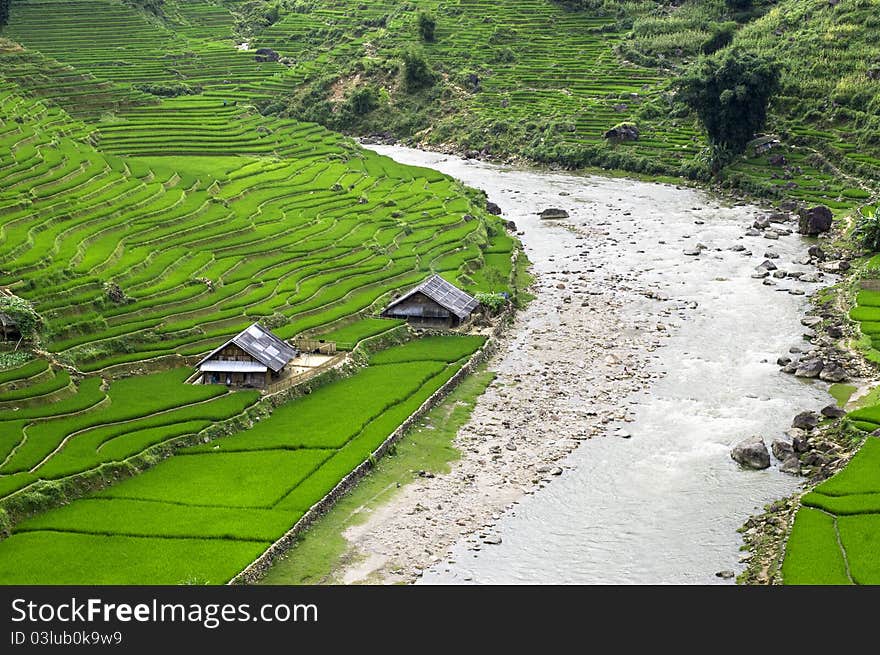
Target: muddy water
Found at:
x=652, y=496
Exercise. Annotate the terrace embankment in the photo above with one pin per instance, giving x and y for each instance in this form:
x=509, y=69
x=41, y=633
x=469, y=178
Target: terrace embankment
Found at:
x=617, y=385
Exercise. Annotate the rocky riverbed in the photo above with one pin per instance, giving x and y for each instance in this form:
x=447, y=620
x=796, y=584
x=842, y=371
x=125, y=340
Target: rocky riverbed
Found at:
x=617, y=355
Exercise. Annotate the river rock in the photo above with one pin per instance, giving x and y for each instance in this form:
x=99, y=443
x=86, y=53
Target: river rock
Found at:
x=781, y=449
x=771, y=255
x=811, y=321
x=726, y=575
x=779, y=275
x=771, y=234
x=692, y=252
x=815, y=220
x=553, y=213
x=791, y=465
x=833, y=372
x=805, y=420
x=809, y=368
x=492, y=208
x=760, y=273
x=752, y=232
x=832, y=411
x=770, y=266
x=761, y=223
x=751, y=453
x=783, y=361
x=816, y=252
x=834, y=331
x=837, y=266
x=808, y=277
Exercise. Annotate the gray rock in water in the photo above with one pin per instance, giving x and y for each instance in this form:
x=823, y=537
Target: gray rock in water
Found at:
x=760, y=273
x=809, y=368
x=789, y=368
x=811, y=321
x=805, y=420
x=727, y=575
x=779, y=275
x=832, y=411
x=770, y=266
x=781, y=449
x=771, y=255
x=554, y=212
x=761, y=223
x=752, y=232
x=693, y=252
x=783, y=361
x=791, y=465
x=751, y=453
x=771, y=234
x=837, y=266
x=815, y=220
x=493, y=208
x=833, y=372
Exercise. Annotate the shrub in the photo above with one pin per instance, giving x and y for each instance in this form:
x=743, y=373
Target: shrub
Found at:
x=416, y=71
x=363, y=100
x=868, y=229
x=427, y=25
x=23, y=313
x=722, y=35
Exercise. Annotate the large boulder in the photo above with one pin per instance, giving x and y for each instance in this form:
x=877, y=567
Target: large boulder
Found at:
x=781, y=449
x=833, y=372
x=623, y=132
x=492, y=208
x=554, y=212
x=751, y=453
x=815, y=220
x=833, y=411
x=805, y=421
x=809, y=368
x=791, y=464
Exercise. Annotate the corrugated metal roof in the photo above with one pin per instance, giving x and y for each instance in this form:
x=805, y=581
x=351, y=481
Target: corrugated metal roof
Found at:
x=444, y=294
x=262, y=345
x=223, y=366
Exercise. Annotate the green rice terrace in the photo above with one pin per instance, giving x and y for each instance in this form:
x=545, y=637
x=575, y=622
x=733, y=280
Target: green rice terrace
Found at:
x=148, y=212
x=172, y=172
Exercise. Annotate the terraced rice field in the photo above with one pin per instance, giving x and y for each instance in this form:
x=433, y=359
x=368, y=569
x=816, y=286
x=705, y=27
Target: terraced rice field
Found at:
x=145, y=230
x=834, y=539
x=205, y=514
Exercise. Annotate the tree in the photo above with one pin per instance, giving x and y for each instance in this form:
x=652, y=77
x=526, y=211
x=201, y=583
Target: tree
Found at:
x=21, y=311
x=427, y=25
x=4, y=12
x=730, y=95
x=416, y=71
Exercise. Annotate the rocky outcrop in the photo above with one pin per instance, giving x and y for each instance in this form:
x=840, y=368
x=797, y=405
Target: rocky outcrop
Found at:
x=623, y=132
x=492, y=208
x=815, y=220
x=266, y=54
x=751, y=453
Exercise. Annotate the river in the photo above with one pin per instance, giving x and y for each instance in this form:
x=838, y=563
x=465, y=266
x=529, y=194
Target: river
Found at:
x=655, y=498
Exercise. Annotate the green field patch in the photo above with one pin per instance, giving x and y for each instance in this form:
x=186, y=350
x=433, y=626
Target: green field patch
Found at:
x=348, y=336
x=867, y=503
x=860, y=535
x=238, y=480
x=860, y=476
x=155, y=519
x=30, y=369
x=812, y=554
x=63, y=558
x=441, y=349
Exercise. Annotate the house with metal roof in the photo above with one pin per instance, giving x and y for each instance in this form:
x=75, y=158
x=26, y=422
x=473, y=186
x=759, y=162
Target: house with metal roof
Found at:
x=435, y=303
x=253, y=358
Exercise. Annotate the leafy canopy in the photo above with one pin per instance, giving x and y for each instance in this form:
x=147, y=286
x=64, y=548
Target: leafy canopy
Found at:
x=730, y=94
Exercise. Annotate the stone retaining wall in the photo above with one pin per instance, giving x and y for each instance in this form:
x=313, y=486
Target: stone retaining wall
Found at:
x=257, y=569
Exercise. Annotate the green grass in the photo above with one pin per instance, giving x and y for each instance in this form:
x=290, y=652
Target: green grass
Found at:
x=812, y=554
x=860, y=536
x=443, y=349
x=842, y=393
x=239, y=480
x=348, y=336
x=861, y=475
x=63, y=558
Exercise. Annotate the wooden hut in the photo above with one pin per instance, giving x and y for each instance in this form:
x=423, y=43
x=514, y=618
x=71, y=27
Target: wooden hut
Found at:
x=9, y=330
x=253, y=358
x=435, y=303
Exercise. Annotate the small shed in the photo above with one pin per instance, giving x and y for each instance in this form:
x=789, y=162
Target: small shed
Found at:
x=763, y=144
x=435, y=303
x=9, y=330
x=252, y=359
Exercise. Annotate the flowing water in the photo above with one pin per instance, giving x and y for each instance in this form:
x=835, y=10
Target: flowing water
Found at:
x=663, y=506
